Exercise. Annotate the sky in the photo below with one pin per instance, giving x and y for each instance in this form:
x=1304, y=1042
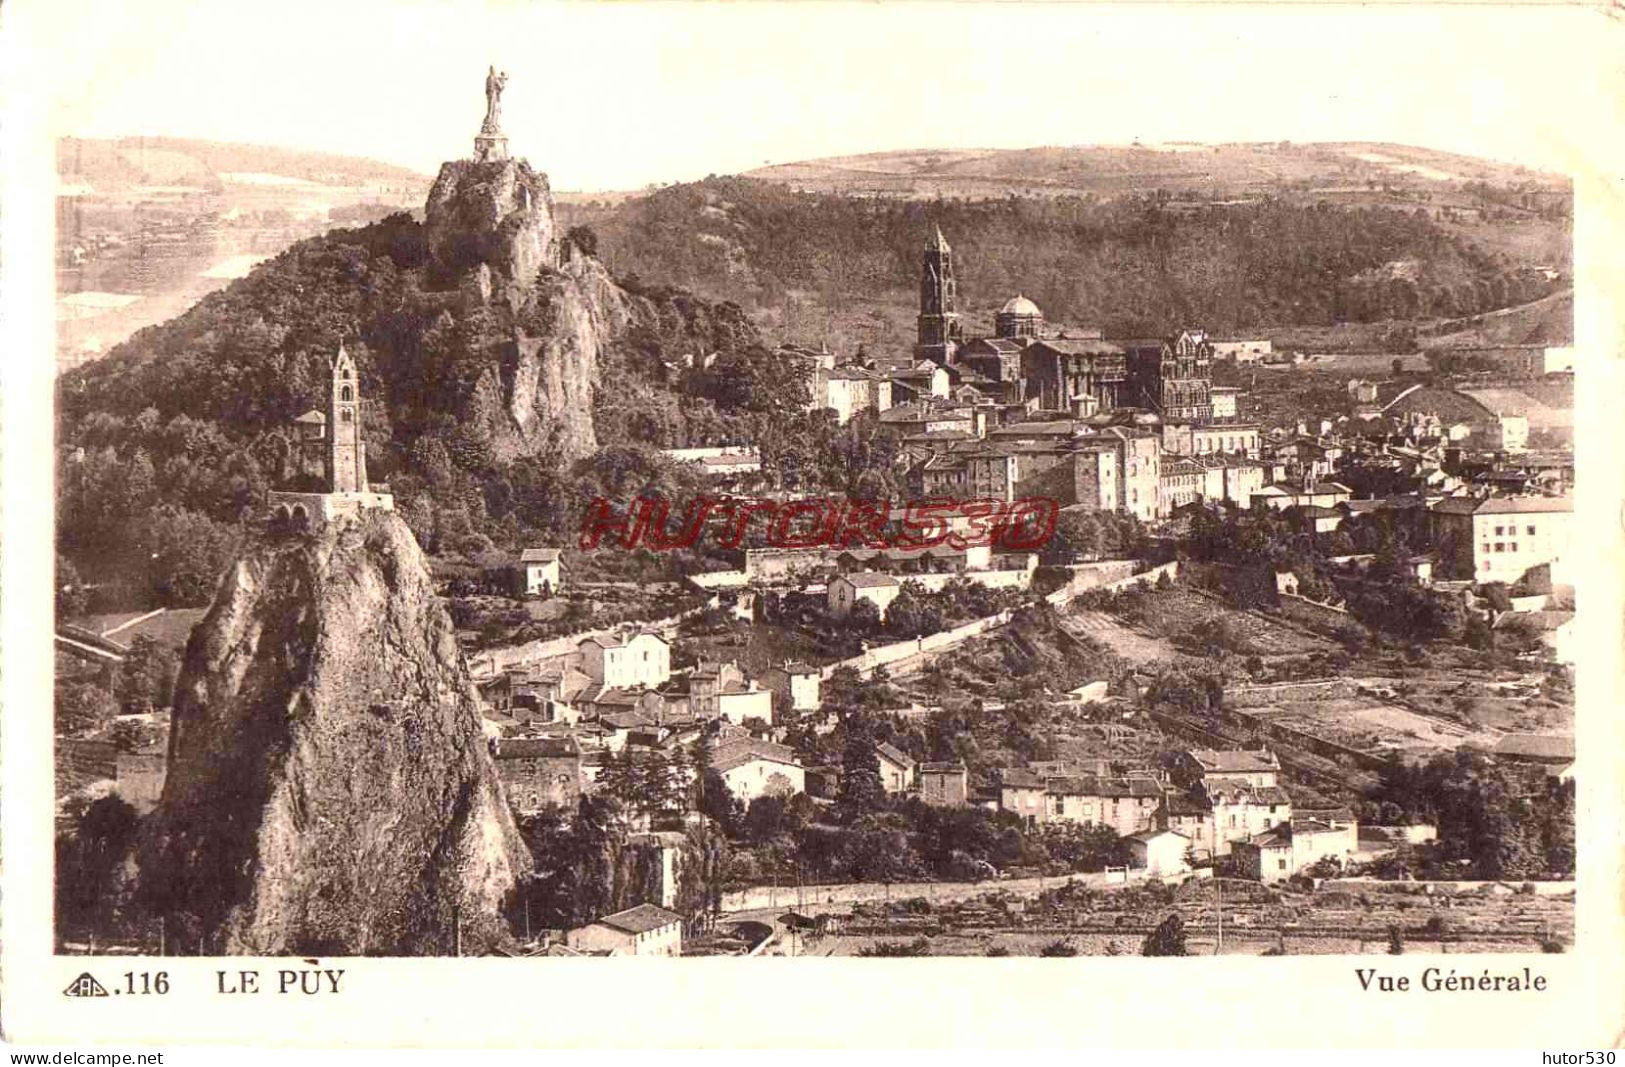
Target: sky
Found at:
x=622, y=95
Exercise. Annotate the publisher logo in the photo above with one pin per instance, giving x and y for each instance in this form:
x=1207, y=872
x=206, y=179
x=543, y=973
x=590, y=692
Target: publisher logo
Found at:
x=85, y=986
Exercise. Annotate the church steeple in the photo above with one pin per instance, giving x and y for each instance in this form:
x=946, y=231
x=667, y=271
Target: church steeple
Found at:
x=939, y=329
x=346, y=455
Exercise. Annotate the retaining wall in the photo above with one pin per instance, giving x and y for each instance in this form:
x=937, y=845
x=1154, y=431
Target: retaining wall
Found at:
x=906, y=655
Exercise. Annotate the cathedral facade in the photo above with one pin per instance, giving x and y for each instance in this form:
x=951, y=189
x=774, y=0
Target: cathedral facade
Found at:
x=1173, y=378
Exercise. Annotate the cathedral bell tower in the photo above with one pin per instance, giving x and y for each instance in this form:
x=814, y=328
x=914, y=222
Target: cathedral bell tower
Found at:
x=939, y=330
x=346, y=456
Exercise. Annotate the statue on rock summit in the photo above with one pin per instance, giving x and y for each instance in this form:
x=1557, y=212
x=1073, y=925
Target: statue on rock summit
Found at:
x=492, y=144
x=494, y=84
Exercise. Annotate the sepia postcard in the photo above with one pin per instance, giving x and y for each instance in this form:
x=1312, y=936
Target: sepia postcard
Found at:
x=1003, y=524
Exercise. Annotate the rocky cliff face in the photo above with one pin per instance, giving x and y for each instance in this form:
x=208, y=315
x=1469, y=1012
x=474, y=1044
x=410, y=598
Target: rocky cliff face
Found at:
x=538, y=391
x=499, y=214
x=329, y=789
x=491, y=232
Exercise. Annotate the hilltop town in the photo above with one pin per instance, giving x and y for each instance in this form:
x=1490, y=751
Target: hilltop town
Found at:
x=1291, y=671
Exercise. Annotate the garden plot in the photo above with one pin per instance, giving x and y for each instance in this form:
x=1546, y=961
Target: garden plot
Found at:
x=1371, y=725
x=1176, y=614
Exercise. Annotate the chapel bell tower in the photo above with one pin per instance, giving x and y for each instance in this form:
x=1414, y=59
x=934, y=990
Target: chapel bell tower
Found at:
x=346, y=457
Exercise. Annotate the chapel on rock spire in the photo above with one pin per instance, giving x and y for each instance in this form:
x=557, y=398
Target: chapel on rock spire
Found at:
x=345, y=488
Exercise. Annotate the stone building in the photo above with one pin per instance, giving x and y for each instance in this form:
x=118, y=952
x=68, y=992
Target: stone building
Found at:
x=944, y=784
x=1293, y=847
x=642, y=661
x=1139, y=471
x=998, y=361
x=896, y=768
x=795, y=686
x=1127, y=805
x=1085, y=477
x=1160, y=853
x=1258, y=767
x=646, y=930
x=845, y=591
x=1181, y=482
x=539, y=572
x=1498, y=539
x=539, y=772
x=1078, y=376
x=1172, y=378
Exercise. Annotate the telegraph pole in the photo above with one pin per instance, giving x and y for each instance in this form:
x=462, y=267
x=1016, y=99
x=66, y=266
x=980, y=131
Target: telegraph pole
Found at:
x=1218, y=903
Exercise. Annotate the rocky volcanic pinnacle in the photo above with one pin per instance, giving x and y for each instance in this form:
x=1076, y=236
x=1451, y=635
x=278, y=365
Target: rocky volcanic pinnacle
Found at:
x=492, y=235
x=498, y=213
x=329, y=789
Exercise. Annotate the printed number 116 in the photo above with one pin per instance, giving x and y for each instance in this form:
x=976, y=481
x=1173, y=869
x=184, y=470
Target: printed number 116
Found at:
x=146, y=982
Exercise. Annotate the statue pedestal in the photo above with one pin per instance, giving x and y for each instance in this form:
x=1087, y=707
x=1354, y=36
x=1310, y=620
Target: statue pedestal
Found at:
x=490, y=146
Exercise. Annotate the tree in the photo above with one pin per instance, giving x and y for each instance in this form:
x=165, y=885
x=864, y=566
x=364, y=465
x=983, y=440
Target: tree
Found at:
x=864, y=617
x=83, y=708
x=1082, y=848
x=1326, y=867
x=862, y=788
x=147, y=679
x=72, y=598
x=584, y=238
x=771, y=815
x=573, y=880
x=1396, y=942
x=717, y=801
x=91, y=886
x=1168, y=939
x=187, y=553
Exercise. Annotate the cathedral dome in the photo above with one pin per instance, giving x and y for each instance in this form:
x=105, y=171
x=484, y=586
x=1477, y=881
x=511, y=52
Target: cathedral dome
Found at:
x=1019, y=305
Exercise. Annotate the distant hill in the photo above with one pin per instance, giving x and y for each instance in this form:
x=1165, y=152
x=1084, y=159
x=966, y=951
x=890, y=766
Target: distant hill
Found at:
x=1179, y=168
x=107, y=165
x=822, y=266
x=146, y=226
